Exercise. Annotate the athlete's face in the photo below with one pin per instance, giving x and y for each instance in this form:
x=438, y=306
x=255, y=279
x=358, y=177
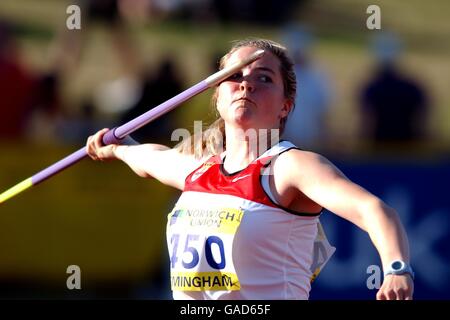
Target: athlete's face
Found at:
x=254, y=96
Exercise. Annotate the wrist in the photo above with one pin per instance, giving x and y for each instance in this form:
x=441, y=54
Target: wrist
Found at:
x=398, y=267
x=119, y=151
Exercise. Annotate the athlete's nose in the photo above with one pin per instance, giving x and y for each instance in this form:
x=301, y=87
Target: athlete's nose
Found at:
x=245, y=85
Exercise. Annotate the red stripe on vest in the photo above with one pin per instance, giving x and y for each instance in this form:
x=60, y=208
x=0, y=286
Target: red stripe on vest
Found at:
x=246, y=184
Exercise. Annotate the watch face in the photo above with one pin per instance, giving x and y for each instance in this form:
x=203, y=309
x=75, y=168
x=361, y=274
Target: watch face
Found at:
x=398, y=265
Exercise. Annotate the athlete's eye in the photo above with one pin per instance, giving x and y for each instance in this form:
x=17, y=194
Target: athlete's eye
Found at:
x=265, y=78
x=235, y=76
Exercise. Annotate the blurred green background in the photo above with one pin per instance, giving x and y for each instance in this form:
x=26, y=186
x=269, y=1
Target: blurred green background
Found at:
x=101, y=216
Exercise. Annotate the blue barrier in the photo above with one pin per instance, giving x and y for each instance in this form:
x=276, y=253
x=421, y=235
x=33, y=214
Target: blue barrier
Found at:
x=420, y=194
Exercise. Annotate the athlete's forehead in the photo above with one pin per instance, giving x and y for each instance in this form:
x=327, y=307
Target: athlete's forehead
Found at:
x=268, y=62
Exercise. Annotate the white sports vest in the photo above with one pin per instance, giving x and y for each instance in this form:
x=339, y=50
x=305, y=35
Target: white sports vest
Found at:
x=228, y=240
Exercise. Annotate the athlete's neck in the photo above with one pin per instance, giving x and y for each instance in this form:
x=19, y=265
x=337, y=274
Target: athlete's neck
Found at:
x=243, y=147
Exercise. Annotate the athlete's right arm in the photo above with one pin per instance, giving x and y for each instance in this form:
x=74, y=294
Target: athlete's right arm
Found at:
x=147, y=160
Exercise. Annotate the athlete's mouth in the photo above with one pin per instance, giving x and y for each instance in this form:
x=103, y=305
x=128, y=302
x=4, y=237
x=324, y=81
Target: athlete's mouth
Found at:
x=244, y=99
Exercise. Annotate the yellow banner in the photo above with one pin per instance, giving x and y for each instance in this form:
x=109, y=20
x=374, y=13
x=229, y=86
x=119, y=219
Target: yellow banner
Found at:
x=202, y=281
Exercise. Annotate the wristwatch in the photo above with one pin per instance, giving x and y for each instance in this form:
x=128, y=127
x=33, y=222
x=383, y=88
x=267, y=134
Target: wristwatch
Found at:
x=399, y=267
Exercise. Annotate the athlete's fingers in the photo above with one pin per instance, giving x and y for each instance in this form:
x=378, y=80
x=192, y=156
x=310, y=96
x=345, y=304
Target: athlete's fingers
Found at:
x=90, y=148
x=98, y=138
x=400, y=294
x=106, y=153
x=380, y=295
x=94, y=144
x=390, y=295
x=97, y=143
x=409, y=293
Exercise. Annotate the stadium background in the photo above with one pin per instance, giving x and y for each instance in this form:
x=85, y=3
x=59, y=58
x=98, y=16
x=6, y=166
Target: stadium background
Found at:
x=111, y=223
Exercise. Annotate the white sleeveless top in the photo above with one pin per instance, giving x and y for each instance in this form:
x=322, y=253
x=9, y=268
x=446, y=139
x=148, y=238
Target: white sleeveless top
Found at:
x=228, y=240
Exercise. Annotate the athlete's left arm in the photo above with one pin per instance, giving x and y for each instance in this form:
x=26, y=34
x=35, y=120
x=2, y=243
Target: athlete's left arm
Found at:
x=322, y=182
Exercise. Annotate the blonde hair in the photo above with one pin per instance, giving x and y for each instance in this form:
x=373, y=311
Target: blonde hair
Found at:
x=212, y=141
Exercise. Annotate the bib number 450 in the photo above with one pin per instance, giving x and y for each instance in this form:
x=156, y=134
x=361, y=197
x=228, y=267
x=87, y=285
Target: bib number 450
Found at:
x=190, y=247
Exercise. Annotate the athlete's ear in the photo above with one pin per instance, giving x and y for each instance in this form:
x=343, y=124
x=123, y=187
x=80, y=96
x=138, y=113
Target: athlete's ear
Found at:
x=287, y=107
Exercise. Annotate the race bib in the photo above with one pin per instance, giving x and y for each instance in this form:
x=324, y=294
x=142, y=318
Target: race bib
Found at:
x=200, y=247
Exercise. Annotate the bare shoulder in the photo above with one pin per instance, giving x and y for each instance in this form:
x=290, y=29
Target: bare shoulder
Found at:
x=302, y=159
x=304, y=165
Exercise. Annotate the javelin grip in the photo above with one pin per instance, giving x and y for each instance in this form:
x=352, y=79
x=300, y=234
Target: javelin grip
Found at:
x=110, y=137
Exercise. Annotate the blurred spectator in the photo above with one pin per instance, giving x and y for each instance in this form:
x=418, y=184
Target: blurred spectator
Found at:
x=16, y=86
x=47, y=107
x=306, y=125
x=67, y=58
x=157, y=88
x=393, y=105
x=103, y=10
x=251, y=11
x=68, y=49
x=30, y=102
x=108, y=13
x=75, y=129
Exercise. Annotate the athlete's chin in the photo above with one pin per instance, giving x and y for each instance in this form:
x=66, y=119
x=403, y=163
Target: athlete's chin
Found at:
x=243, y=113
x=242, y=117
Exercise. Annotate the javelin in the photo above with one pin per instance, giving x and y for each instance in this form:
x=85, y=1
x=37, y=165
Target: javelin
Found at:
x=118, y=134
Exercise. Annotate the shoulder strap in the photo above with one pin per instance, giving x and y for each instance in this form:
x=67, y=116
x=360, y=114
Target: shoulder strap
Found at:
x=279, y=148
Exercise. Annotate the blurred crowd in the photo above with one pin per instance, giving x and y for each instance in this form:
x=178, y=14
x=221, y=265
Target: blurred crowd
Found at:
x=393, y=106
